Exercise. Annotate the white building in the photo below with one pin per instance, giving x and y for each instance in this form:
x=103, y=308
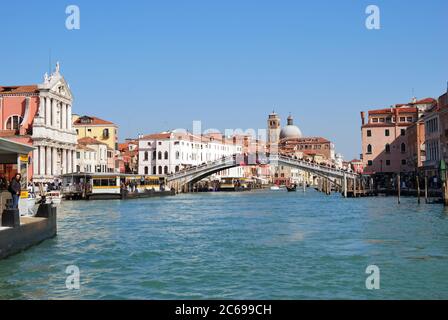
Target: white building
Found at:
x=168, y=152
x=93, y=156
x=53, y=135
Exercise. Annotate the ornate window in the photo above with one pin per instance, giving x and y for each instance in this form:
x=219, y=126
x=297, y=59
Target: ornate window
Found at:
x=166, y=155
x=146, y=155
x=14, y=122
x=146, y=170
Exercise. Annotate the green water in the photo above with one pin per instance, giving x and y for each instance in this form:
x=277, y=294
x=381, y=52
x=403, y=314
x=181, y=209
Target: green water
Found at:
x=259, y=245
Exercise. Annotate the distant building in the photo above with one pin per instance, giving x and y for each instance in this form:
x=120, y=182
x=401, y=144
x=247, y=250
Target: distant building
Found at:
x=274, y=129
x=40, y=115
x=96, y=128
x=384, y=136
x=128, y=156
x=103, y=156
x=168, y=152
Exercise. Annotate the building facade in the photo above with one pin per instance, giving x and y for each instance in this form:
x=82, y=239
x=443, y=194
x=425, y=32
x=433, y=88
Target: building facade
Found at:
x=96, y=128
x=94, y=156
x=40, y=115
x=384, y=136
x=168, y=152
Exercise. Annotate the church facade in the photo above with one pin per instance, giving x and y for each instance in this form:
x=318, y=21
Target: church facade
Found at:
x=40, y=115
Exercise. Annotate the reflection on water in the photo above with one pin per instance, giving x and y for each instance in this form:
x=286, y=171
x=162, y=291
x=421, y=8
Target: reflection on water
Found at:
x=256, y=245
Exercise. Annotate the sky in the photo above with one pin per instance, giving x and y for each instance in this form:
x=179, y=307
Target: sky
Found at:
x=151, y=66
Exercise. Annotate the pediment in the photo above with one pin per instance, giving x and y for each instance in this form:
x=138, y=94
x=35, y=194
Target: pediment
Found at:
x=60, y=87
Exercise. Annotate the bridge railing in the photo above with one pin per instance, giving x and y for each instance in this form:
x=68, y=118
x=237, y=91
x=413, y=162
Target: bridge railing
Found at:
x=201, y=167
x=312, y=166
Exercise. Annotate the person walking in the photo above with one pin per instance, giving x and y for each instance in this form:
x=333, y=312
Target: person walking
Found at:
x=15, y=189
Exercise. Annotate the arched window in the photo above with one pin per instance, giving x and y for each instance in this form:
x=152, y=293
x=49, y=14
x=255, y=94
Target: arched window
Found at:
x=177, y=155
x=146, y=170
x=154, y=155
x=166, y=155
x=14, y=122
x=146, y=155
x=369, y=148
x=154, y=170
x=160, y=155
x=403, y=148
x=165, y=170
x=387, y=148
x=177, y=168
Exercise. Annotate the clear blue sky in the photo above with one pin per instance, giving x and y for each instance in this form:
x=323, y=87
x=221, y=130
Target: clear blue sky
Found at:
x=157, y=65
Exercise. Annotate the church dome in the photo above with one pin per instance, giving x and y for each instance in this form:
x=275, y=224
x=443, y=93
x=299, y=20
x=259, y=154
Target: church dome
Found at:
x=290, y=131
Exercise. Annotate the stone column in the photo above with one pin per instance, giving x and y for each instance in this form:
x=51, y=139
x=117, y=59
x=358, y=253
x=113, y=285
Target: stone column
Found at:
x=64, y=116
x=54, y=113
x=64, y=161
x=48, y=161
x=69, y=161
x=35, y=161
x=42, y=107
x=47, y=111
x=69, y=117
x=73, y=160
x=41, y=160
x=54, y=160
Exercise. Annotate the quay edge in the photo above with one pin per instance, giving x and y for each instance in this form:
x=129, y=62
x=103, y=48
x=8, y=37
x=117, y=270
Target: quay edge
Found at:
x=28, y=231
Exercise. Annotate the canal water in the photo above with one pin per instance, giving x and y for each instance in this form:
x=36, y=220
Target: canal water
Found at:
x=257, y=245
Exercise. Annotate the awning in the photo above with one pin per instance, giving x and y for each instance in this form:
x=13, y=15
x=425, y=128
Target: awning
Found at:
x=8, y=147
x=9, y=150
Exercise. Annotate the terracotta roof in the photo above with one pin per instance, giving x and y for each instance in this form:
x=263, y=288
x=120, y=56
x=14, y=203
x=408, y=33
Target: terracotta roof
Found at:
x=84, y=147
x=425, y=101
x=88, y=140
x=93, y=121
x=18, y=89
x=392, y=110
x=306, y=140
x=157, y=136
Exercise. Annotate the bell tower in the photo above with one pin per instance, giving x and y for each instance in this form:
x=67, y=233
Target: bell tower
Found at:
x=273, y=128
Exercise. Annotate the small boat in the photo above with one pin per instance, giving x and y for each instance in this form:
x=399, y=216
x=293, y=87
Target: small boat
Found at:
x=292, y=188
x=54, y=197
x=275, y=188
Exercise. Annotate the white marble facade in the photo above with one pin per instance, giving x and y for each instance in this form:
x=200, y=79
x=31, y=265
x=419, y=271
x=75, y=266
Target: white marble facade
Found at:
x=53, y=134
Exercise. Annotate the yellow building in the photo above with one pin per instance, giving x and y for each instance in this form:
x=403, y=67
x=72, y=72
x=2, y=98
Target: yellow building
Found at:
x=96, y=128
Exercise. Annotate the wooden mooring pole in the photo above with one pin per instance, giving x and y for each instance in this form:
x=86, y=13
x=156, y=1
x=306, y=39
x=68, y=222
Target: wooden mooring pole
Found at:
x=418, y=188
x=399, y=187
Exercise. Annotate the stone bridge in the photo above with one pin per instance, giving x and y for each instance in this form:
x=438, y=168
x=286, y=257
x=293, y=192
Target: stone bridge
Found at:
x=185, y=178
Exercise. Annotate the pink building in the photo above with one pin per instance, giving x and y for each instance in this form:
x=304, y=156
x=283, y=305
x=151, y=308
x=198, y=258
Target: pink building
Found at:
x=384, y=137
x=40, y=115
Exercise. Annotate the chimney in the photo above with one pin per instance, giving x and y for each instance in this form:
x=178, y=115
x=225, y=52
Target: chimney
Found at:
x=363, y=121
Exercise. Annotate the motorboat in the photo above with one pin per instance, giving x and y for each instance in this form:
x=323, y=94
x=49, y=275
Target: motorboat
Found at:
x=53, y=197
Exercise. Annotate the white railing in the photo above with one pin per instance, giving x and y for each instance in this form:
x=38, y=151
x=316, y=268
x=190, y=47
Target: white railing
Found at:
x=233, y=161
